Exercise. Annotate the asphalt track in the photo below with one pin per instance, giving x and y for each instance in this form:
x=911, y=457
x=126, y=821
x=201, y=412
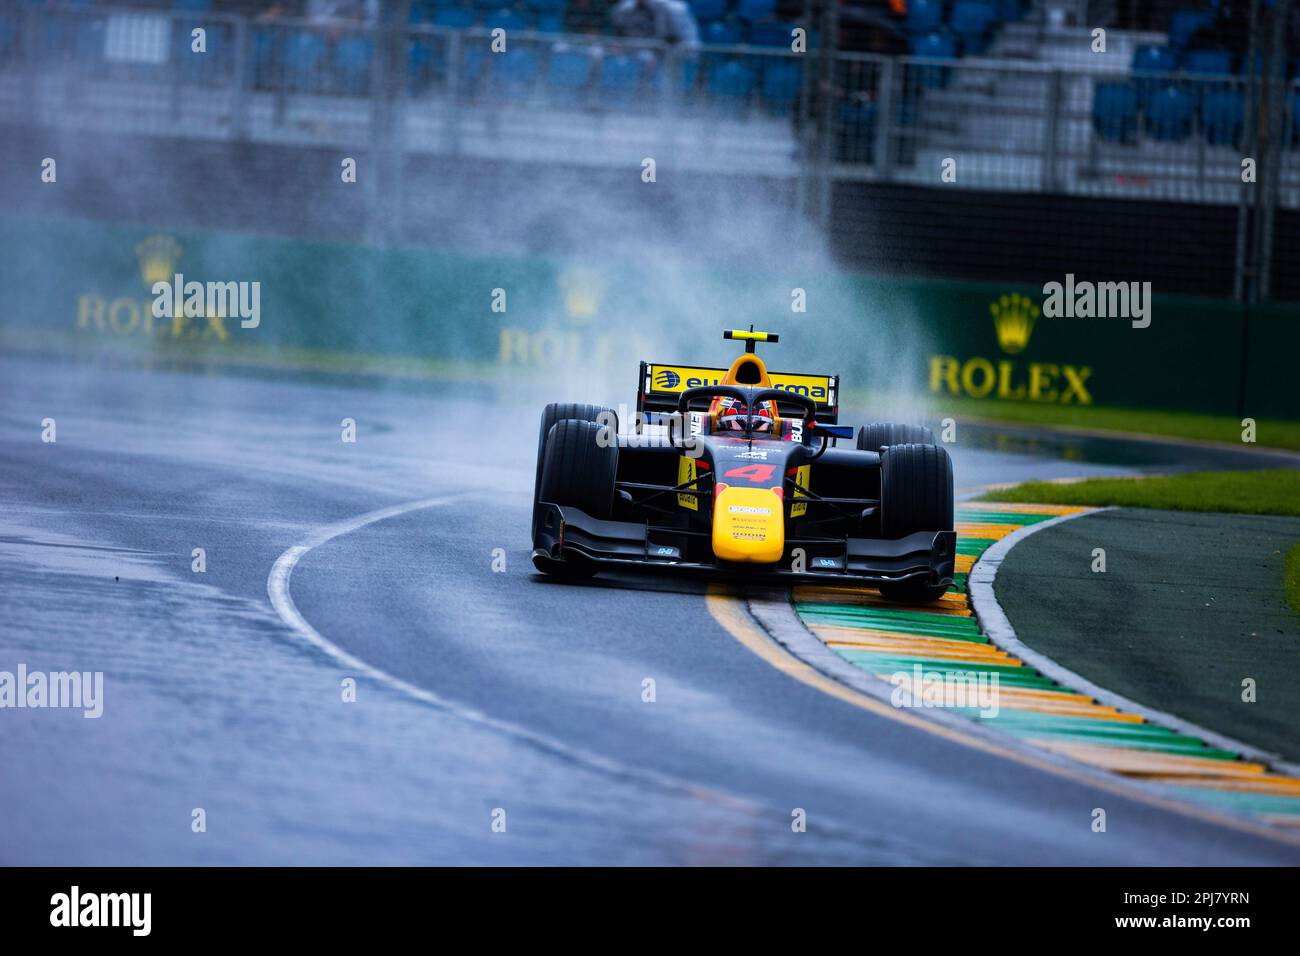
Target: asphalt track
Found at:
x=477, y=690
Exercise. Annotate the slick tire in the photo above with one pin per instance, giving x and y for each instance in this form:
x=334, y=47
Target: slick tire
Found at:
x=915, y=495
x=880, y=435
x=551, y=415
x=578, y=470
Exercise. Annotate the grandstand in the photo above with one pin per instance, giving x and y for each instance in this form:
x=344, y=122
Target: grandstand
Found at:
x=1012, y=91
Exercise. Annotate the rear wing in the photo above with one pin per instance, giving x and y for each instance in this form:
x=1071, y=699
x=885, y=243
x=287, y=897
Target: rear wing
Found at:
x=661, y=385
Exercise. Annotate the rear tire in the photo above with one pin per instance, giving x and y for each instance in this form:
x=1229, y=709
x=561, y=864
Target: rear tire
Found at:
x=578, y=471
x=558, y=412
x=880, y=435
x=915, y=495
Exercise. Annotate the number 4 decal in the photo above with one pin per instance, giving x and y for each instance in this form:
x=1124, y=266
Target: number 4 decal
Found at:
x=758, y=474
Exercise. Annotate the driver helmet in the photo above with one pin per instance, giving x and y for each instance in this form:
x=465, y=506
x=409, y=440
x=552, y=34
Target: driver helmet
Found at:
x=732, y=414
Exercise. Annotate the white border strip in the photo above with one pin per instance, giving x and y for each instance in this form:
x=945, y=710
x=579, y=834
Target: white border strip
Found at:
x=996, y=625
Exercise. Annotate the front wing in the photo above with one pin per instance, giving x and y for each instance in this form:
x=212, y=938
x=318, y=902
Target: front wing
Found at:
x=565, y=533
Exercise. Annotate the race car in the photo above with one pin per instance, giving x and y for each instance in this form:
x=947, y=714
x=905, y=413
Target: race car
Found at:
x=737, y=472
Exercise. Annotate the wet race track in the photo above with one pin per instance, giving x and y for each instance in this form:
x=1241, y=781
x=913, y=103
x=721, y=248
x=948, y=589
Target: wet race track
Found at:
x=477, y=690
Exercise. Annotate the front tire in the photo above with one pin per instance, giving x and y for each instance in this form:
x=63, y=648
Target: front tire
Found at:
x=579, y=469
x=915, y=495
x=551, y=415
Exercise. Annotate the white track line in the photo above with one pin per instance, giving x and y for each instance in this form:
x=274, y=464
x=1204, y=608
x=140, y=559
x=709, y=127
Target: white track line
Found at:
x=277, y=587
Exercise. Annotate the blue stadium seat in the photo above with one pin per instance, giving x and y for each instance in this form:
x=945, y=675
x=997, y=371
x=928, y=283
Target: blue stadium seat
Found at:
x=972, y=21
x=1223, y=112
x=708, y=9
x=457, y=18
x=419, y=63
x=935, y=46
x=352, y=58
x=752, y=10
x=553, y=7
x=731, y=84
x=782, y=81
x=1114, y=111
x=188, y=6
x=1151, y=68
x=569, y=68
x=567, y=75
x=514, y=73
x=267, y=51
x=690, y=77
x=1154, y=59
x=473, y=62
x=1208, y=62
x=924, y=16
x=771, y=33
x=1169, y=114
x=1010, y=11
x=1185, y=22
x=305, y=56
x=419, y=12
x=722, y=33
x=1203, y=67
x=506, y=19
x=620, y=79
x=549, y=23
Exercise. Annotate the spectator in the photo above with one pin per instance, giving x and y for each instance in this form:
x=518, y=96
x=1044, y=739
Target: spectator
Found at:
x=586, y=16
x=668, y=20
x=1229, y=31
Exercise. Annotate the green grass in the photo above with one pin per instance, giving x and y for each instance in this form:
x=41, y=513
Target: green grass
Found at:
x=1271, y=492
x=1269, y=432
x=1292, y=577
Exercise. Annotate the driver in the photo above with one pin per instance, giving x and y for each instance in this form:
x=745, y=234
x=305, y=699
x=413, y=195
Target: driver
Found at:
x=731, y=414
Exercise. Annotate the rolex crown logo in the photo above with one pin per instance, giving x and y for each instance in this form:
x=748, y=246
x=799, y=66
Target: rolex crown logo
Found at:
x=157, y=255
x=582, y=290
x=1013, y=318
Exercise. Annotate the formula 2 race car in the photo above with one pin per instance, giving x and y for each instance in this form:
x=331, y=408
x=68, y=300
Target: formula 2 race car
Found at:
x=736, y=471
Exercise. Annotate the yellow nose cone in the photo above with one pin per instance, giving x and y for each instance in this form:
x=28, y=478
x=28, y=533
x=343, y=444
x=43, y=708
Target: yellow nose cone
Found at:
x=748, y=525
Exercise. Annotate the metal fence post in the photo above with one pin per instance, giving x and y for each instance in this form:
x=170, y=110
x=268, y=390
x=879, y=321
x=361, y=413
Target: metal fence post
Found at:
x=1275, y=102
x=452, y=103
x=803, y=127
x=1250, y=147
x=242, y=81
x=1050, y=178
x=886, y=111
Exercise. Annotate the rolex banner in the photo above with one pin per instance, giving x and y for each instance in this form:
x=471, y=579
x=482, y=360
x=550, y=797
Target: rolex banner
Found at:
x=1076, y=341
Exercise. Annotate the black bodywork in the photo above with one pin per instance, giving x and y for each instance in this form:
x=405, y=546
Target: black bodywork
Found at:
x=832, y=523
